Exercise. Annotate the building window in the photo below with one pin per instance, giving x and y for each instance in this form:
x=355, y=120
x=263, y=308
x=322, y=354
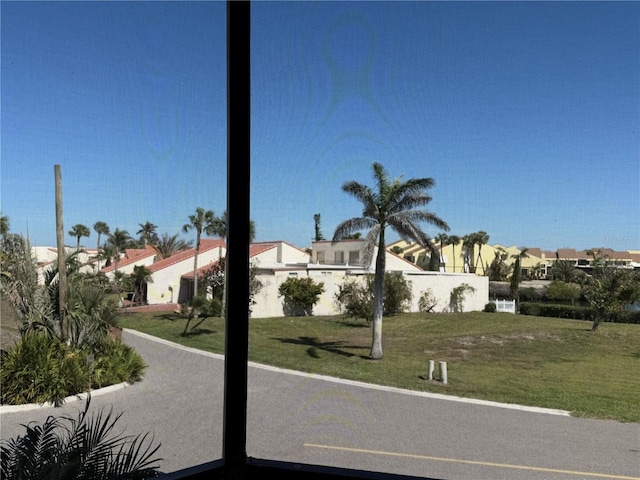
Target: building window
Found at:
x=354, y=257
x=339, y=257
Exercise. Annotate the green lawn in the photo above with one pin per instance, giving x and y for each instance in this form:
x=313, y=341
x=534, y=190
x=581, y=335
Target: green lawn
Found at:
x=526, y=360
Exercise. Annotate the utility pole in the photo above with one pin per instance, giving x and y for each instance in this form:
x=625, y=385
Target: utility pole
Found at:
x=62, y=264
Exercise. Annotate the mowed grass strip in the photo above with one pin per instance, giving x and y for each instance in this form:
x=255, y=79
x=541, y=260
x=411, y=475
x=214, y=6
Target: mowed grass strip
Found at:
x=526, y=360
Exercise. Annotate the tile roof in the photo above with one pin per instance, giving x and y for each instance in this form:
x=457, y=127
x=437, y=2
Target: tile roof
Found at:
x=132, y=256
x=205, y=244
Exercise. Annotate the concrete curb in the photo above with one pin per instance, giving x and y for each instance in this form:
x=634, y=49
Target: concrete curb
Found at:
x=73, y=398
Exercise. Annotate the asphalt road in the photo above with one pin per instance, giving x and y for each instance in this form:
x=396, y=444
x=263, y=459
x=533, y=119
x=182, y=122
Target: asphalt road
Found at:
x=317, y=420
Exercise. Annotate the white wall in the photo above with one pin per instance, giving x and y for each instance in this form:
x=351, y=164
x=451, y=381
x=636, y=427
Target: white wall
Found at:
x=268, y=304
x=167, y=273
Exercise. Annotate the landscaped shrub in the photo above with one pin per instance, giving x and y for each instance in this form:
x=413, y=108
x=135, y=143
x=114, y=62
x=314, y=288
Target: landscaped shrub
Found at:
x=300, y=295
x=354, y=299
x=532, y=294
x=397, y=293
x=40, y=369
x=490, y=307
x=562, y=291
x=557, y=311
x=116, y=363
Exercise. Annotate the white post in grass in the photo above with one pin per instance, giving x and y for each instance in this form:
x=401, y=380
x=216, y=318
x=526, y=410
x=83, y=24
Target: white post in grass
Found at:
x=431, y=368
x=443, y=372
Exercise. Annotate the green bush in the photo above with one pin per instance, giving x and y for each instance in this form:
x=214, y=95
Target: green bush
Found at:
x=116, y=363
x=397, y=293
x=354, y=299
x=40, y=369
x=575, y=312
x=490, y=307
x=562, y=291
x=300, y=295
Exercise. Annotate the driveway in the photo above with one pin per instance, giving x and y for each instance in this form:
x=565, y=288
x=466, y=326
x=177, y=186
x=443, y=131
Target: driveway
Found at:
x=320, y=420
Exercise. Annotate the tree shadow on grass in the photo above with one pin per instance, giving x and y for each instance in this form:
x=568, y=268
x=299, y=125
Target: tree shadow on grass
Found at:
x=199, y=331
x=331, y=347
x=355, y=324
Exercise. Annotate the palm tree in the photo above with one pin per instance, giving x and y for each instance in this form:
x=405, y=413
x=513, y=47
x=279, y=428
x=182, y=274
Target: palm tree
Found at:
x=220, y=230
x=481, y=238
x=147, y=233
x=202, y=222
x=443, y=238
x=78, y=231
x=101, y=228
x=453, y=240
x=141, y=276
x=468, y=244
x=514, y=288
x=393, y=204
x=168, y=245
x=119, y=239
x=4, y=225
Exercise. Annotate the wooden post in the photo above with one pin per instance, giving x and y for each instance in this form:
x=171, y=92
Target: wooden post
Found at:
x=62, y=264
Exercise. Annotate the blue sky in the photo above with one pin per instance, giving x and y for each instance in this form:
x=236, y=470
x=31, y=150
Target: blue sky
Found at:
x=526, y=114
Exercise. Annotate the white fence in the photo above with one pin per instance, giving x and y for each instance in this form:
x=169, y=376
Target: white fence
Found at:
x=508, y=306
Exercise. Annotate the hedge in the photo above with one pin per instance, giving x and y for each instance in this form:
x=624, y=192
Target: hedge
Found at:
x=575, y=312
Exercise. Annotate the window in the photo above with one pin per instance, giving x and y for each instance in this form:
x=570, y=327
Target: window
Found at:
x=354, y=257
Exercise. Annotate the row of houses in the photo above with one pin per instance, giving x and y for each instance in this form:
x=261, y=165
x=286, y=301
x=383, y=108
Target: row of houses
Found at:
x=537, y=264
x=326, y=262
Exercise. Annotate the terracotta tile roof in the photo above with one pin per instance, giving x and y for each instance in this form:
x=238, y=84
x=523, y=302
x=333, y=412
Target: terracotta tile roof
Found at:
x=205, y=244
x=135, y=255
x=567, y=253
x=258, y=248
x=536, y=252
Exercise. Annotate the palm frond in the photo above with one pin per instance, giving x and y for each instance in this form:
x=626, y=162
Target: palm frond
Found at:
x=352, y=225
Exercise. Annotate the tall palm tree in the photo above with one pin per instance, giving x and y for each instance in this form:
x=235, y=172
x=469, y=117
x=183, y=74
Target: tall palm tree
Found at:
x=168, y=245
x=202, y=222
x=392, y=204
x=468, y=244
x=514, y=287
x=119, y=239
x=443, y=238
x=78, y=231
x=220, y=230
x=141, y=276
x=147, y=233
x=481, y=238
x=101, y=228
x=4, y=225
x=453, y=240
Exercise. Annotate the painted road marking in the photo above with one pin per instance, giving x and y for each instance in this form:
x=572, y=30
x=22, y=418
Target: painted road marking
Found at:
x=473, y=462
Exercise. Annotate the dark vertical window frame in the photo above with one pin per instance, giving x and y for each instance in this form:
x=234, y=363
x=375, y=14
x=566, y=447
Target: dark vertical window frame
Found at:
x=238, y=236
x=235, y=464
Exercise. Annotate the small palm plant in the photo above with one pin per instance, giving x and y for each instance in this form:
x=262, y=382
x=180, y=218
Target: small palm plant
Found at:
x=79, y=448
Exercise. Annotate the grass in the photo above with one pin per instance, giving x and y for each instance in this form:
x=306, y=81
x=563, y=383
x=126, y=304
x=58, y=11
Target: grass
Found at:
x=526, y=360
